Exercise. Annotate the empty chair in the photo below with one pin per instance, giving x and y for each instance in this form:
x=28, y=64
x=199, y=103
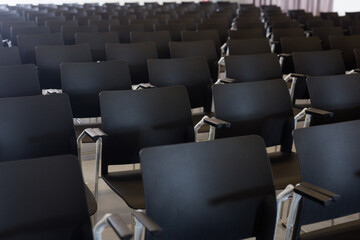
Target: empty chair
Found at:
x=246, y=33
x=203, y=35
x=319, y=63
x=147, y=23
x=279, y=33
x=84, y=20
x=248, y=46
x=49, y=59
x=222, y=29
x=249, y=24
x=290, y=45
x=258, y=67
x=136, y=55
x=191, y=72
x=97, y=42
x=15, y=31
x=38, y=126
x=70, y=31
x=310, y=24
x=123, y=31
x=9, y=56
x=160, y=38
x=19, y=80
x=235, y=177
x=263, y=108
x=324, y=33
x=204, y=48
x=333, y=148
x=103, y=25
x=337, y=94
x=55, y=25
x=41, y=20
x=7, y=25
x=159, y=116
x=28, y=42
x=175, y=29
x=83, y=82
x=346, y=44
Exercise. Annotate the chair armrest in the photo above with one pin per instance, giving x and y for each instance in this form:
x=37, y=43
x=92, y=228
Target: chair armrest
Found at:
x=119, y=227
x=334, y=196
x=148, y=223
x=145, y=86
x=318, y=112
x=316, y=196
x=218, y=123
x=94, y=133
x=284, y=55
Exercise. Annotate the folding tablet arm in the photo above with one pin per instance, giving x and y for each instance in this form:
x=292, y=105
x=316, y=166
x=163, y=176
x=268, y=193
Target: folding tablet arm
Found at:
x=225, y=80
x=145, y=86
x=313, y=193
x=116, y=223
x=213, y=123
x=309, y=112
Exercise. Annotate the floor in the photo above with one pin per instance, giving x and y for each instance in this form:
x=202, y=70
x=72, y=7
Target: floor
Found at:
x=109, y=202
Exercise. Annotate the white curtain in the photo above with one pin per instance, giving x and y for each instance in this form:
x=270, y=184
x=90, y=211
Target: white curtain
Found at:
x=314, y=6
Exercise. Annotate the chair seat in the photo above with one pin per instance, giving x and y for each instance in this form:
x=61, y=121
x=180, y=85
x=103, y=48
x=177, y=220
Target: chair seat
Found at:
x=198, y=116
x=91, y=201
x=285, y=168
x=129, y=186
x=344, y=231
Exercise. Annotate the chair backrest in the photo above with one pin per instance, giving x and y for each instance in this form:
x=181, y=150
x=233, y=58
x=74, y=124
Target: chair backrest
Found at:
x=357, y=56
x=263, y=108
x=318, y=63
x=137, y=119
x=258, y=67
x=136, y=55
x=103, y=25
x=174, y=29
x=15, y=31
x=249, y=24
x=278, y=33
x=70, y=31
x=28, y=42
x=222, y=29
x=97, y=42
x=249, y=46
x=328, y=157
x=147, y=23
x=7, y=25
x=346, y=44
x=191, y=72
x=41, y=20
x=9, y=56
x=227, y=176
x=55, y=25
x=204, y=48
x=49, y=59
x=84, y=20
x=324, y=33
x=36, y=126
x=45, y=199
x=338, y=94
x=19, y=80
x=160, y=38
x=83, y=82
x=202, y=35
x=290, y=45
x=246, y=33
x=123, y=31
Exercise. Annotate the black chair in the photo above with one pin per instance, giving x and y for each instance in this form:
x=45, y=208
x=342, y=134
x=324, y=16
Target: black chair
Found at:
x=201, y=36
x=83, y=83
x=246, y=33
x=136, y=55
x=346, y=44
x=9, y=56
x=263, y=108
x=235, y=176
x=49, y=201
x=141, y=122
x=41, y=20
x=324, y=33
x=316, y=23
x=222, y=29
x=103, y=25
x=49, y=59
x=38, y=126
x=19, y=80
x=191, y=72
x=175, y=29
x=246, y=68
x=147, y=23
x=84, y=20
x=27, y=43
x=7, y=25
x=123, y=31
x=279, y=33
x=55, y=25
x=70, y=31
x=97, y=42
x=328, y=157
x=160, y=38
x=204, y=48
x=248, y=46
x=337, y=94
x=319, y=63
x=290, y=45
